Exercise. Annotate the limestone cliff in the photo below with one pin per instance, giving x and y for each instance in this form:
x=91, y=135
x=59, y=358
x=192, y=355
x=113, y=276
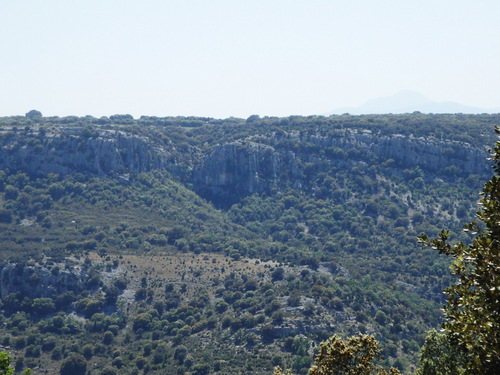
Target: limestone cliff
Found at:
x=71, y=150
x=240, y=168
x=39, y=281
x=430, y=154
x=230, y=170
x=244, y=167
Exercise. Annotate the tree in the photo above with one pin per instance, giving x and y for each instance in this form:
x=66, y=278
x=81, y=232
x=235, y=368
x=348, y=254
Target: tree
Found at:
x=11, y=192
x=201, y=369
x=354, y=357
x=34, y=114
x=440, y=356
x=75, y=364
x=142, y=321
x=278, y=274
x=5, y=369
x=88, y=351
x=56, y=190
x=112, y=293
x=43, y=306
x=108, y=338
x=472, y=312
x=180, y=353
x=5, y=216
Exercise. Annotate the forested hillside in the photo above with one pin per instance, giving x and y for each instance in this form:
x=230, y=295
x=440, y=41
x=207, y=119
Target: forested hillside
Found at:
x=197, y=245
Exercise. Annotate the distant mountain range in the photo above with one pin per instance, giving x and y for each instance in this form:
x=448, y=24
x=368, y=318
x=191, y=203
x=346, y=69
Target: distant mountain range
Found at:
x=410, y=101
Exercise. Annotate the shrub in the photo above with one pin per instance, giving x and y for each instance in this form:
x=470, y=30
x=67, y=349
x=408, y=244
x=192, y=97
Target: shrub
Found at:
x=74, y=364
x=108, y=371
x=142, y=321
x=118, y=362
x=5, y=216
x=108, y=338
x=88, y=351
x=140, y=361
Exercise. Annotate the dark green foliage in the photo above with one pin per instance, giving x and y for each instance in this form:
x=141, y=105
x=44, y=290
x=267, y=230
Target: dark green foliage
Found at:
x=19, y=364
x=75, y=364
x=201, y=369
x=5, y=216
x=140, y=362
x=120, y=283
x=108, y=337
x=89, y=306
x=117, y=362
x=112, y=293
x=5, y=369
x=88, y=351
x=440, y=355
x=43, y=306
x=34, y=114
x=180, y=353
x=141, y=294
x=278, y=274
x=11, y=192
x=473, y=309
x=142, y=321
x=56, y=354
x=332, y=238
x=32, y=351
x=108, y=371
x=5, y=364
x=355, y=356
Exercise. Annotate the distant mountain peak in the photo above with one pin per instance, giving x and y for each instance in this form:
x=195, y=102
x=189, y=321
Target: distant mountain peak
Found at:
x=407, y=101
x=409, y=96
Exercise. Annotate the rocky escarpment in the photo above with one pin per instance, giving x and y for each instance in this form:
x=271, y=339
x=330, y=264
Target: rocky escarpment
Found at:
x=240, y=168
x=72, y=150
x=429, y=154
x=40, y=281
x=228, y=171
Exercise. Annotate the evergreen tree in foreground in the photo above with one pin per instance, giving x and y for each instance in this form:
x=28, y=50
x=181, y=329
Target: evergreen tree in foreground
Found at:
x=472, y=313
x=354, y=357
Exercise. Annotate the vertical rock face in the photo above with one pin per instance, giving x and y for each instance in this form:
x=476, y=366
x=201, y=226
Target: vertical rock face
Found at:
x=236, y=169
x=36, y=282
x=240, y=168
x=233, y=170
x=427, y=153
x=68, y=153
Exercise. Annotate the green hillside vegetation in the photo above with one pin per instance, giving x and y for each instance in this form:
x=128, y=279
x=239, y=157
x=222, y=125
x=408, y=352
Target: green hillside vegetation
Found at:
x=168, y=277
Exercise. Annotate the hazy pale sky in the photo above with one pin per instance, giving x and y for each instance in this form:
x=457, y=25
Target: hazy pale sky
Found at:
x=240, y=57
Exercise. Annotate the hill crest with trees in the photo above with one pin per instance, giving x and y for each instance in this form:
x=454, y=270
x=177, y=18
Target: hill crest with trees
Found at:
x=202, y=244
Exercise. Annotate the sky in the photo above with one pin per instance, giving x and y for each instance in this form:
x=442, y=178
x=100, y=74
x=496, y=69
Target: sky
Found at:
x=241, y=57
